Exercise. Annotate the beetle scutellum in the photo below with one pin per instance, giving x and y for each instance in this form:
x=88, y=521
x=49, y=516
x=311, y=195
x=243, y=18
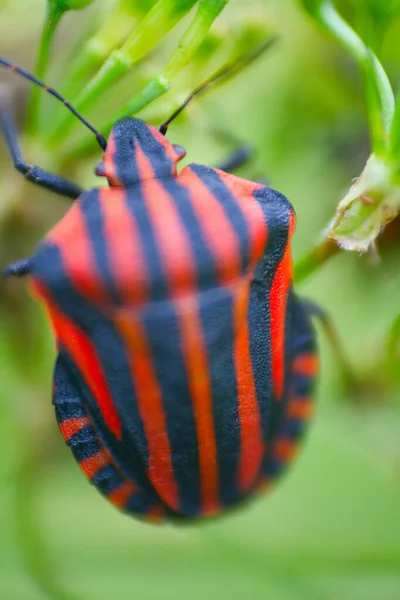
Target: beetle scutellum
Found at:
x=186, y=362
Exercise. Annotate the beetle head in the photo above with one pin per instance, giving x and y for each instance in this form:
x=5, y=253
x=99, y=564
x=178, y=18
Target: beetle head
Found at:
x=137, y=151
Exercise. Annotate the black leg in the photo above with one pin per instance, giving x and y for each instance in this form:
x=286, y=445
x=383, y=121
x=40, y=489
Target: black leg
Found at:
x=33, y=173
x=313, y=310
x=240, y=157
x=18, y=269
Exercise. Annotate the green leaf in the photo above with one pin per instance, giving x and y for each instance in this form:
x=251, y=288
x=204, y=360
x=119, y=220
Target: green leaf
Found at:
x=381, y=10
x=395, y=134
x=379, y=93
x=62, y=6
x=312, y=6
x=147, y=35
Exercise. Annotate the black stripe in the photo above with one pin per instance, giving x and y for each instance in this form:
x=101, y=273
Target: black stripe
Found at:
x=94, y=221
x=162, y=165
x=276, y=213
x=132, y=451
x=68, y=406
x=157, y=277
x=212, y=180
x=299, y=340
x=107, y=479
x=137, y=504
x=206, y=267
x=128, y=133
x=67, y=411
x=160, y=321
x=293, y=429
x=217, y=316
x=84, y=443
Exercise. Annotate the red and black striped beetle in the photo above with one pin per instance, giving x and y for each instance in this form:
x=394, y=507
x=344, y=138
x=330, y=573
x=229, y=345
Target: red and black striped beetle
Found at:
x=186, y=363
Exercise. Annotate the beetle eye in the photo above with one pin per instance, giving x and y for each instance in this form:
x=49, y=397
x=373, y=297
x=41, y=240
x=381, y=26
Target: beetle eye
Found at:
x=100, y=170
x=179, y=151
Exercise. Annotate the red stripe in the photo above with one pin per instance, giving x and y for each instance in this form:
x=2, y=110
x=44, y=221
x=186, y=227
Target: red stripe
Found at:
x=71, y=237
x=110, y=168
x=217, y=229
x=125, y=253
x=180, y=266
x=150, y=405
x=155, y=514
x=90, y=466
x=225, y=245
x=84, y=355
x=300, y=408
x=195, y=355
x=264, y=484
x=169, y=150
x=306, y=364
x=243, y=190
x=252, y=447
x=72, y=426
x=284, y=449
x=130, y=274
x=120, y=496
x=278, y=299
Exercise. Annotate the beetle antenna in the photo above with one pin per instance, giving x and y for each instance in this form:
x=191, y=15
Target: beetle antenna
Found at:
x=15, y=69
x=222, y=75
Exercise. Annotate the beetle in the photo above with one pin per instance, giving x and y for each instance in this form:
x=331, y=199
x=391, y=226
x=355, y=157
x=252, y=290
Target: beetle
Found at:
x=186, y=363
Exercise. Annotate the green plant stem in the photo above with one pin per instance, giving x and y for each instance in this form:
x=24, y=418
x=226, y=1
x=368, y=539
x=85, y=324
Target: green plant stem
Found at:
x=195, y=34
x=392, y=357
x=150, y=31
x=52, y=20
x=120, y=21
x=222, y=76
x=326, y=14
x=314, y=259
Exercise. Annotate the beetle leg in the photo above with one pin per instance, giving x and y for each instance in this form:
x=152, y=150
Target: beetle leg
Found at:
x=91, y=454
x=314, y=310
x=239, y=158
x=32, y=173
x=18, y=269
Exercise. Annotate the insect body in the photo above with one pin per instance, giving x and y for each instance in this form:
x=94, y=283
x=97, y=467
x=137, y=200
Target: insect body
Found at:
x=185, y=362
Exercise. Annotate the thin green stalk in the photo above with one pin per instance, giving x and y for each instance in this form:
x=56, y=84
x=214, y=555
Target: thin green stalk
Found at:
x=223, y=75
x=148, y=34
x=193, y=37
x=392, y=357
x=120, y=20
x=326, y=14
x=314, y=259
x=52, y=20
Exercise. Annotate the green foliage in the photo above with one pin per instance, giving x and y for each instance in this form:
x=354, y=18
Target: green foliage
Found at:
x=65, y=5
x=380, y=12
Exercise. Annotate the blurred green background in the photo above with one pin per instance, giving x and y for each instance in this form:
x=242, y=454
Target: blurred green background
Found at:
x=330, y=529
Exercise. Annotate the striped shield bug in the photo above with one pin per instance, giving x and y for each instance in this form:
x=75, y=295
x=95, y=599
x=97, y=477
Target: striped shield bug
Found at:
x=185, y=361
